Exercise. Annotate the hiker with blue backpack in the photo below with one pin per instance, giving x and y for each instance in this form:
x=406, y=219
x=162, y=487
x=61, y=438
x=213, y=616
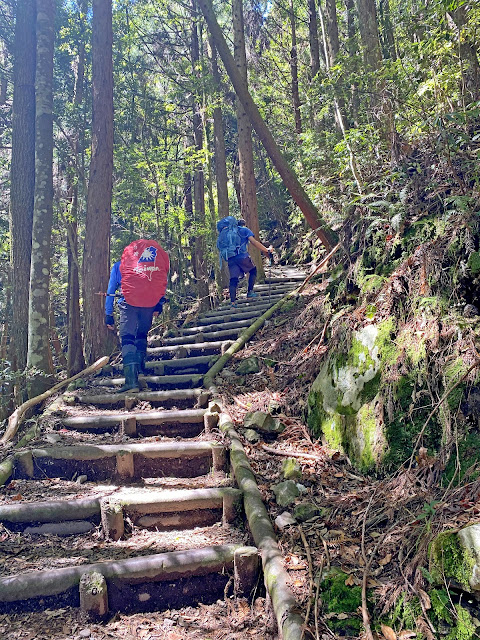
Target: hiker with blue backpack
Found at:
x=232, y=243
x=142, y=276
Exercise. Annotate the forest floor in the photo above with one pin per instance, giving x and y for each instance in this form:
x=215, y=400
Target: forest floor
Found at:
x=375, y=531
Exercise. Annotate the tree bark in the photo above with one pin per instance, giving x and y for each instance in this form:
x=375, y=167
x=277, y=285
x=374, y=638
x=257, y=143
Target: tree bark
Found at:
x=388, y=39
x=75, y=359
x=468, y=54
x=39, y=355
x=22, y=175
x=201, y=270
x=326, y=235
x=97, y=225
x=220, y=155
x=313, y=38
x=294, y=72
x=368, y=28
x=248, y=187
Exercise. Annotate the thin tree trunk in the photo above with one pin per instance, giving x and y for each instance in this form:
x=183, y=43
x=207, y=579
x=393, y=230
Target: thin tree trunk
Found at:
x=338, y=113
x=22, y=176
x=297, y=192
x=39, y=354
x=201, y=271
x=97, y=225
x=220, y=155
x=75, y=359
x=388, y=39
x=468, y=54
x=313, y=39
x=294, y=72
x=248, y=187
x=352, y=51
x=368, y=28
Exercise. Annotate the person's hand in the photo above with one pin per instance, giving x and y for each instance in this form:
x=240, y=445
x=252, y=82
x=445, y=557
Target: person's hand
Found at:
x=110, y=322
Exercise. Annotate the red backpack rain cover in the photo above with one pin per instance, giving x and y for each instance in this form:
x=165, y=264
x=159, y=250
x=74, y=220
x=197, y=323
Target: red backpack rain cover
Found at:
x=144, y=267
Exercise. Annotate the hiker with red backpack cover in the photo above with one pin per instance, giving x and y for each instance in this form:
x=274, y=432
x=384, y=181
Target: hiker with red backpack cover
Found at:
x=232, y=243
x=142, y=275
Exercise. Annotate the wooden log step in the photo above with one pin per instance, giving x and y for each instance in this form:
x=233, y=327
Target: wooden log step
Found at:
x=160, y=581
x=246, y=305
x=124, y=461
x=229, y=315
x=294, y=278
x=185, y=350
x=175, y=381
x=227, y=329
x=177, y=397
x=146, y=509
x=182, y=508
x=186, y=422
x=50, y=511
x=200, y=364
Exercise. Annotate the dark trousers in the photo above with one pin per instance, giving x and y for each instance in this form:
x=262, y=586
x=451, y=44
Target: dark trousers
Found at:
x=134, y=325
x=237, y=268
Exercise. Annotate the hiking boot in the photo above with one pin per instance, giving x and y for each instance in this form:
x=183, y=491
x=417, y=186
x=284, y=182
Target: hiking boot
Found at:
x=141, y=345
x=130, y=371
x=252, y=294
x=233, y=305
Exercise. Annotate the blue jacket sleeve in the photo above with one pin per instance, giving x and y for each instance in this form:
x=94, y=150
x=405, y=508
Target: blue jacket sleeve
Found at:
x=113, y=285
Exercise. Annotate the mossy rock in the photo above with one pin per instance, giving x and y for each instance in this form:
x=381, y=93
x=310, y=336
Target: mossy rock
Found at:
x=291, y=469
x=344, y=407
x=286, y=492
x=452, y=560
x=305, y=511
x=249, y=365
x=263, y=422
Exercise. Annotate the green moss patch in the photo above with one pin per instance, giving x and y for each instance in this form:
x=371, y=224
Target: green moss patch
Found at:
x=338, y=598
x=448, y=559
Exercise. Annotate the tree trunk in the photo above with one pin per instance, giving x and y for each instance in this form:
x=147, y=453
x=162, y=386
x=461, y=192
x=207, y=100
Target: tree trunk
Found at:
x=354, y=102
x=220, y=155
x=388, y=39
x=39, y=355
x=313, y=38
x=97, y=225
x=294, y=72
x=368, y=28
x=331, y=51
x=326, y=235
x=248, y=187
x=75, y=359
x=22, y=176
x=468, y=54
x=201, y=267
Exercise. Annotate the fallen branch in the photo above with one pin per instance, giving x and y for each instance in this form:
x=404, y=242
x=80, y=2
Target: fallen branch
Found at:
x=286, y=454
x=16, y=418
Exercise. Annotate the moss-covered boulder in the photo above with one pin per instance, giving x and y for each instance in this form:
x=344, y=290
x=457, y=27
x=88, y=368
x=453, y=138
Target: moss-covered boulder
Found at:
x=454, y=558
x=343, y=405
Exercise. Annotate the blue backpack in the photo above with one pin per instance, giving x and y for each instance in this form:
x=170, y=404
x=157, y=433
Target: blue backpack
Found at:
x=229, y=240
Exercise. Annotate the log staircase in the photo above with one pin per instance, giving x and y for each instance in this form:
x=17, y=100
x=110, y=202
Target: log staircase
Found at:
x=114, y=465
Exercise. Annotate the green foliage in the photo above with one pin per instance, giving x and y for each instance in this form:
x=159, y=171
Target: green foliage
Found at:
x=405, y=612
